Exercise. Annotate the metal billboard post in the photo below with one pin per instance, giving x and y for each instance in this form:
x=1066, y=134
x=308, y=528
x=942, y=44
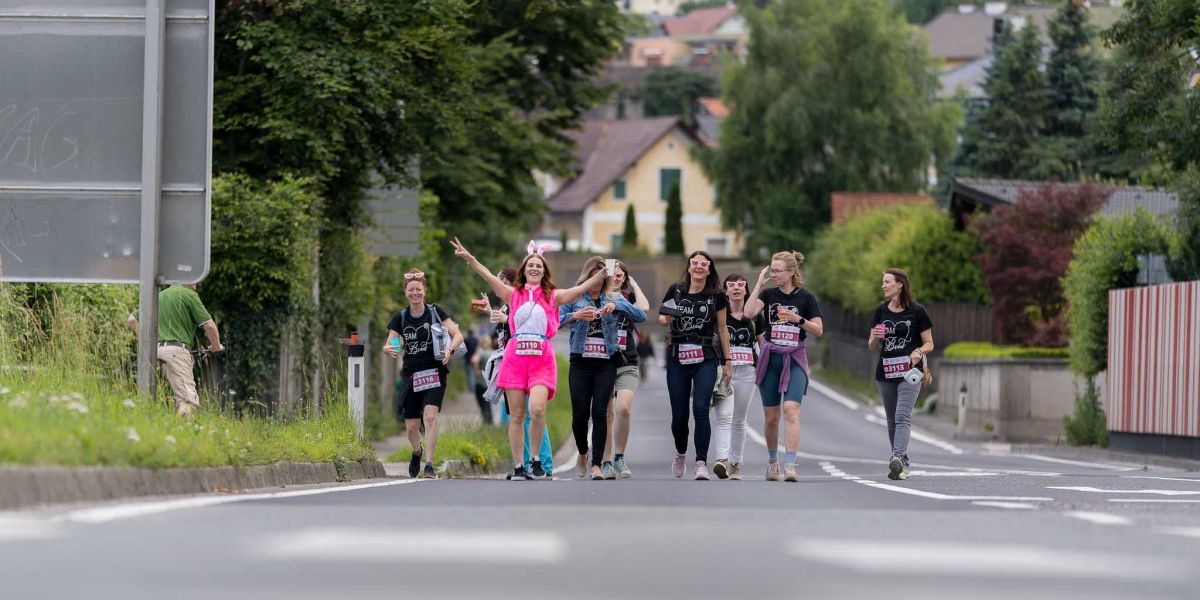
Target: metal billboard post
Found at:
x=152, y=107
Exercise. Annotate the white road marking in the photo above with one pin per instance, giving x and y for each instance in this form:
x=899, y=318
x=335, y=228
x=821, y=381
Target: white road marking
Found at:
x=953, y=473
x=105, y=514
x=960, y=559
x=20, y=529
x=1193, y=532
x=919, y=436
x=1152, y=501
x=836, y=472
x=1101, y=491
x=833, y=394
x=1161, y=478
x=1012, y=505
x=1099, y=518
x=1077, y=463
x=401, y=545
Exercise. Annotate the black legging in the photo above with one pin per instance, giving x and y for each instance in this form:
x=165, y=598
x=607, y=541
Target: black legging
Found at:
x=592, y=381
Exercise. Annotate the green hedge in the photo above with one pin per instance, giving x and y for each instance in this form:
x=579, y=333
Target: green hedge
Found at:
x=986, y=350
x=1105, y=259
x=848, y=260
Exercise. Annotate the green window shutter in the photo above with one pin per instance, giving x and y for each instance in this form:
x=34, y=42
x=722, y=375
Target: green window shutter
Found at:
x=619, y=189
x=667, y=178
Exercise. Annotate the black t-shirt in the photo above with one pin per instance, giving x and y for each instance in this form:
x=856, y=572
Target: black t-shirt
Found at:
x=699, y=320
x=742, y=333
x=800, y=301
x=629, y=348
x=903, y=336
x=501, y=333
x=418, y=338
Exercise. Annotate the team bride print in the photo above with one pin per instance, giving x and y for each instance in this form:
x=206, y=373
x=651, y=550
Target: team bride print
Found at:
x=411, y=335
x=898, y=335
x=695, y=315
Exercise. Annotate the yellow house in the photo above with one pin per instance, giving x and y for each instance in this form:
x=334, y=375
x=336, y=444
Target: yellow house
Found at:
x=634, y=162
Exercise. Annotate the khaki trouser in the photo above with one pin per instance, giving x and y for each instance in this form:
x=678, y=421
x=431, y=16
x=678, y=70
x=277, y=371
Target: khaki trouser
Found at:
x=177, y=367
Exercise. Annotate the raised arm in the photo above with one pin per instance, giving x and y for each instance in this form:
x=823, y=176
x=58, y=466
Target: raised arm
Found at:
x=499, y=287
x=642, y=301
x=753, y=304
x=570, y=295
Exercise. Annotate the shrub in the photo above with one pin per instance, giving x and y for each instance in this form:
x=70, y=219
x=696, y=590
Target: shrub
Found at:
x=1026, y=249
x=848, y=260
x=986, y=350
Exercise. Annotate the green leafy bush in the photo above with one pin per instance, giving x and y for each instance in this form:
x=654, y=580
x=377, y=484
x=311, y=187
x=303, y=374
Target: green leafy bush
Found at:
x=987, y=350
x=849, y=259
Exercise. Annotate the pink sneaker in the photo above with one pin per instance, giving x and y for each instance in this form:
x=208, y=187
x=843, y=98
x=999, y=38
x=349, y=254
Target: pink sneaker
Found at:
x=677, y=466
x=701, y=471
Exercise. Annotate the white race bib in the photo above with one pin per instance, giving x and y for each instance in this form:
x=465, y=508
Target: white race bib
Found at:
x=785, y=335
x=690, y=354
x=741, y=355
x=426, y=380
x=528, y=345
x=595, y=347
x=895, y=367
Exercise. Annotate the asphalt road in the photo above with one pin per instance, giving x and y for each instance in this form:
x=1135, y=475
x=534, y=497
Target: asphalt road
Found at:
x=968, y=524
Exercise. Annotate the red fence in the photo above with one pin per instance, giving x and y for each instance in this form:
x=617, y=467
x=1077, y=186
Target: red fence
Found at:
x=1154, y=360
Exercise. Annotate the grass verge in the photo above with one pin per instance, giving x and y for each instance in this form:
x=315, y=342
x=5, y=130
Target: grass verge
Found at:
x=486, y=445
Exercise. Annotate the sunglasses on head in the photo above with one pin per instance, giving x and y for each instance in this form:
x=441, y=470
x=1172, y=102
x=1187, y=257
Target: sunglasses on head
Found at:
x=699, y=262
x=412, y=276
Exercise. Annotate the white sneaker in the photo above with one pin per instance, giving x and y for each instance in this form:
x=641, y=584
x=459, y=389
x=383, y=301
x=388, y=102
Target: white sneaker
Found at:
x=701, y=471
x=677, y=466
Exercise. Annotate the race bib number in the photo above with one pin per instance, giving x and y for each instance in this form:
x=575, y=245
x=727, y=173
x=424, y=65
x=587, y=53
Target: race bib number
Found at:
x=622, y=337
x=426, y=380
x=894, y=368
x=741, y=355
x=690, y=354
x=785, y=335
x=528, y=346
x=595, y=347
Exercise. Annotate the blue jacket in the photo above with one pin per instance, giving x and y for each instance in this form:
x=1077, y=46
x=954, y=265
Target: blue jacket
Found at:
x=608, y=322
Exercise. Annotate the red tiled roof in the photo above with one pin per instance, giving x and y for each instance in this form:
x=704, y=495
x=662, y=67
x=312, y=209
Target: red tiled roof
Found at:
x=605, y=150
x=701, y=21
x=845, y=205
x=714, y=106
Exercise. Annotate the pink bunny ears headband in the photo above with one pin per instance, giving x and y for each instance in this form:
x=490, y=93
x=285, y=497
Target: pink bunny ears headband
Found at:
x=533, y=248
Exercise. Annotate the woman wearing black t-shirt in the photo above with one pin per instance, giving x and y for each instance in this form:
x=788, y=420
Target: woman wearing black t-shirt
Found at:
x=699, y=341
x=422, y=375
x=792, y=314
x=903, y=335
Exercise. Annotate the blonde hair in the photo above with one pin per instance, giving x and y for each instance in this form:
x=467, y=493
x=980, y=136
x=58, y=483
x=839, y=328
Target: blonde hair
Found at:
x=792, y=260
x=590, y=267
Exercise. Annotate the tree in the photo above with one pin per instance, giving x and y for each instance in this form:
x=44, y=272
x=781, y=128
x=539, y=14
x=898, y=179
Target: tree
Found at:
x=1073, y=74
x=629, y=238
x=920, y=12
x=690, y=5
x=674, y=91
x=1027, y=247
x=673, y=227
x=835, y=95
x=1004, y=138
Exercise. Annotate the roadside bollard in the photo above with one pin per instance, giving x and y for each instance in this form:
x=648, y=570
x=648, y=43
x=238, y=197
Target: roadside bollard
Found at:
x=962, y=408
x=356, y=381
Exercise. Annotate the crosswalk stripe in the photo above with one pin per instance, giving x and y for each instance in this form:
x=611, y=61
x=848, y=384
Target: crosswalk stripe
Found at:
x=400, y=545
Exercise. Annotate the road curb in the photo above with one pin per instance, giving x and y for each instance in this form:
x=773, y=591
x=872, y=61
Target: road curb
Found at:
x=22, y=487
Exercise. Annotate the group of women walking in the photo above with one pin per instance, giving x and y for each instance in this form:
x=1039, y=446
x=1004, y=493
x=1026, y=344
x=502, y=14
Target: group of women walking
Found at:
x=725, y=345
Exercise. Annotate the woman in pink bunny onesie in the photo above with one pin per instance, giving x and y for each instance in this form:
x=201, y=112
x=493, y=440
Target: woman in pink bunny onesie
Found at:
x=529, y=368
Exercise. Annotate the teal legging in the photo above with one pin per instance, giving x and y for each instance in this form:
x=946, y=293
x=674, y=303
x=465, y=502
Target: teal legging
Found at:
x=546, y=455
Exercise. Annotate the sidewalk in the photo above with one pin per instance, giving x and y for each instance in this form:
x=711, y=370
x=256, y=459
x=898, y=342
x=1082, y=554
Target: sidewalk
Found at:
x=458, y=412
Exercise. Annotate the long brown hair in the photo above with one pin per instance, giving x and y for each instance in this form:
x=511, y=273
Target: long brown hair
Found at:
x=590, y=266
x=547, y=281
x=712, y=283
x=906, y=295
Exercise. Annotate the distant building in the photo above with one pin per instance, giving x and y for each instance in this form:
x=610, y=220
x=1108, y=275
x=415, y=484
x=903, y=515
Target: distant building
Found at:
x=634, y=162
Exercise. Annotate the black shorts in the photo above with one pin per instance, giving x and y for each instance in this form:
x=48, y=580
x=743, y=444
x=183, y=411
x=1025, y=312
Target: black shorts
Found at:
x=412, y=404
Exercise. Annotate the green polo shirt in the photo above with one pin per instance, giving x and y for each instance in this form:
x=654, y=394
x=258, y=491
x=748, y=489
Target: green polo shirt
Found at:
x=180, y=312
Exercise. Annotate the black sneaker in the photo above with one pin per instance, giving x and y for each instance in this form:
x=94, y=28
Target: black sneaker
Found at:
x=895, y=468
x=414, y=464
x=429, y=472
x=519, y=474
x=536, y=471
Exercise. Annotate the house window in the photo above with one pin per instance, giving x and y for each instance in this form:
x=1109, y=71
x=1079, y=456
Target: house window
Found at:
x=666, y=179
x=615, y=242
x=717, y=245
x=619, y=189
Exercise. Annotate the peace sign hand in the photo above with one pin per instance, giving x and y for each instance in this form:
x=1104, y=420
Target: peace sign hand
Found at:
x=461, y=251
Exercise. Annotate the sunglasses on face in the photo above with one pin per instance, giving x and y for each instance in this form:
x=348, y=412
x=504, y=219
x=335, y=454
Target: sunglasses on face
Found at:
x=698, y=262
x=736, y=284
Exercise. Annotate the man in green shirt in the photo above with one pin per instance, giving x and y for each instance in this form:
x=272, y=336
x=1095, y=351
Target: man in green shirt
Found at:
x=180, y=313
